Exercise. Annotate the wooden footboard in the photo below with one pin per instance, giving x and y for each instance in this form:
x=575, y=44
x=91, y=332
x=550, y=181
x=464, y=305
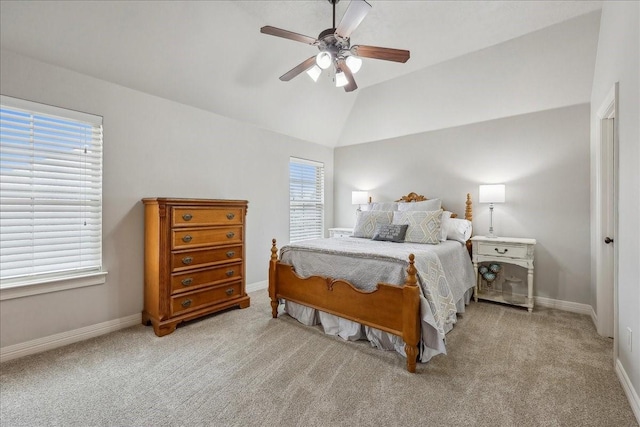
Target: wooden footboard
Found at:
x=391, y=308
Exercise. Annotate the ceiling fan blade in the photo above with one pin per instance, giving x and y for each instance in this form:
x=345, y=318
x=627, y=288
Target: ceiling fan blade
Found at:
x=300, y=68
x=356, y=11
x=279, y=32
x=385, y=53
x=342, y=66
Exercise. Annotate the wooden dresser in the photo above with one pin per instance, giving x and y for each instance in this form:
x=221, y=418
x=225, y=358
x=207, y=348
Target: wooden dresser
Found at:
x=194, y=259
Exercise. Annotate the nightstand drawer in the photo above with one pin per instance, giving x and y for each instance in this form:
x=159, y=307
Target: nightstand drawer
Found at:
x=502, y=250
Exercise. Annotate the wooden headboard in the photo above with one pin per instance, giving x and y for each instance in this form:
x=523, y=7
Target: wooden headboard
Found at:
x=415, y=197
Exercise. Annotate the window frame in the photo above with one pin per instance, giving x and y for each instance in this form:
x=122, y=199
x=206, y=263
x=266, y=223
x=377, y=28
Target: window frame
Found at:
x=318, y=204
x=21, y=286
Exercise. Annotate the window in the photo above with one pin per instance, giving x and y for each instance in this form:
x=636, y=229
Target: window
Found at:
x=50, y=194
x=306, y=199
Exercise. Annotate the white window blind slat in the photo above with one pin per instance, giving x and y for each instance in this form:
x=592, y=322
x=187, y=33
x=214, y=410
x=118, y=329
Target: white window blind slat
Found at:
x=306, y=199
x=50, y=191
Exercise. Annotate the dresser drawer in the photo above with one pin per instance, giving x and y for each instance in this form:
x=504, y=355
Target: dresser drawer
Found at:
x=197, y=216
x=502, y=250
x=199, y=258
x=198, y=237
x=193, y=279
x=192, y=301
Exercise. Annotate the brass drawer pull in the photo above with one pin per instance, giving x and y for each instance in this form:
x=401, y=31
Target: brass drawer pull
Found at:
x=230, y=216
x=187, y=260
x=187, y=217
x=187, y=282
x=230, y=273
x=230, y=234
x=186, y=303
x=229, y=291
x=502, y=253
x=187, y=238
x=230, y=254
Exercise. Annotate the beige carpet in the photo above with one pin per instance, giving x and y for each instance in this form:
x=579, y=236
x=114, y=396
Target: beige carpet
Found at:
x=505, y=367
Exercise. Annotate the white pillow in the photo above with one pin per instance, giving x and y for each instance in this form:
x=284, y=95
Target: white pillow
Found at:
x=380, y=206
x=426, y=205
x=446, y=215
x=368, y=221
x=424, y=226
x=458, y=229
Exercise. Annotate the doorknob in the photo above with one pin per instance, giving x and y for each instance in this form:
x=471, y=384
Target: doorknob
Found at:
x=608, y=240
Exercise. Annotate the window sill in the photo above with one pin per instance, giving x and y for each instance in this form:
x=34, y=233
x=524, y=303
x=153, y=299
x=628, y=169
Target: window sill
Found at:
x=26, y=289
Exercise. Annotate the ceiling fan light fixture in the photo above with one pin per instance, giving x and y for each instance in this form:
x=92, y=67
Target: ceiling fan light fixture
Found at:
x=341, y=79
x=354, y=63
x=314, y=72
x=324, y=60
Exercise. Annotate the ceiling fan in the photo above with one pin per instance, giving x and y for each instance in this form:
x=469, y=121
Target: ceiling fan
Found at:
x=335, y=48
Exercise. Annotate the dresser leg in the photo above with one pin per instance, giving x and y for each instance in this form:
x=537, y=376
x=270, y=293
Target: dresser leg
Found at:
x=162, y=330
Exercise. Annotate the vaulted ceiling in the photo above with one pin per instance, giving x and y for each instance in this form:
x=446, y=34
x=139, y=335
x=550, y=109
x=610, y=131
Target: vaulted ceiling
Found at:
x=211, y=55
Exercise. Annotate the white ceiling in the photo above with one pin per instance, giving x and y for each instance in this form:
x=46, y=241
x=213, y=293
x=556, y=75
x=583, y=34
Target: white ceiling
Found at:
x=211, y=54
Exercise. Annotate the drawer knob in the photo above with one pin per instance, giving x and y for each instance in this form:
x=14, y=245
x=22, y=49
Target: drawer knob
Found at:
x=230, y=254
x=229, y=291
x=187, y=238
x=187, y=260
x=187, y=217
x=187, y=282
x=230, y=216
x=502, y=252
x=230, y=273
x=186, y=303
x=230, y=234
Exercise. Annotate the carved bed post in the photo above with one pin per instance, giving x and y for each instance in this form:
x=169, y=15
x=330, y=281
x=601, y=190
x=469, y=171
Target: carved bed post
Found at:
x=272, y=279
x=411, y=315
x=468, y=215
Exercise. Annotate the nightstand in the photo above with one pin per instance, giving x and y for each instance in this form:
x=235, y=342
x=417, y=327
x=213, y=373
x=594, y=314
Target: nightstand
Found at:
x=503, y=250
x=340, y=232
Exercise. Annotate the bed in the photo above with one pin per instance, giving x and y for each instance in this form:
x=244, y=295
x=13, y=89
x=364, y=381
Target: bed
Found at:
x=399, y=296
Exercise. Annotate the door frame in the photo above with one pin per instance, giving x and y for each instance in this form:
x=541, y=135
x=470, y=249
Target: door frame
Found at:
x=606, y=146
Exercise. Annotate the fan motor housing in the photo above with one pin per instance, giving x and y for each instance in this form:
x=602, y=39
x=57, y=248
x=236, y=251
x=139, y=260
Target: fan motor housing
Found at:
x=329, y=41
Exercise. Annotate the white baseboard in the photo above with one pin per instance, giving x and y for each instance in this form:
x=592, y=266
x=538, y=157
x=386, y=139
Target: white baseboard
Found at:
x=573, y=307
x=631, y=393
x=65, y=338
x=594, y=317
x=257, y=286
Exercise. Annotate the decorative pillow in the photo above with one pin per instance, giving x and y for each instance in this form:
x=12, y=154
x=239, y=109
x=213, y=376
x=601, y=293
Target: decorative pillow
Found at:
x=458, y=229
x=367, y=221
x=390, y=232
x=446, y=215
x=427, y=205
x=424, y=226
x=380, y=206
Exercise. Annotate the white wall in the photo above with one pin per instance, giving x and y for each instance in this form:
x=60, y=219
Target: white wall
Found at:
x=543, y=158
x=549, y=68
x=618, y=61
x=153, y=147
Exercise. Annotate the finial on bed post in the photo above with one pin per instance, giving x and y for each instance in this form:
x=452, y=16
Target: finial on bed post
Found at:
x=468, y=211
x=411, y=315
x=273, y=291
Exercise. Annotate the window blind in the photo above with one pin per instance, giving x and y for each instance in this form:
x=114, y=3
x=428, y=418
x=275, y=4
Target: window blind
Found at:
x=50, y=192
x=306, y=199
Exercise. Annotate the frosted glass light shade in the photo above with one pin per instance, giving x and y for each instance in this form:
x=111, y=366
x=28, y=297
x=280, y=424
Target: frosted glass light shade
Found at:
x=314, y=72
x=354, y=63
x=492, y=193
x=359, y=197
x=341, y=79
x=323, y=59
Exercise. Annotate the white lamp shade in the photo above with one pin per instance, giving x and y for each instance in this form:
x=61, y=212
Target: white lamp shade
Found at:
x=314, y=72
x=359, y=197
x=492, y=193
x=341, y=79
x=323, y=59
x=354, y=63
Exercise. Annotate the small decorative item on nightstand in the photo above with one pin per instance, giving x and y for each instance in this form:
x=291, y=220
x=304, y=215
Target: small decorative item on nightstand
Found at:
x=490, y=255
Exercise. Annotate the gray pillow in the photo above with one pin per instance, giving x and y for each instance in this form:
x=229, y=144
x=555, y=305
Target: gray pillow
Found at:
x=426, y=205
x=424, y=226
x=390, y=232
x=367, y=221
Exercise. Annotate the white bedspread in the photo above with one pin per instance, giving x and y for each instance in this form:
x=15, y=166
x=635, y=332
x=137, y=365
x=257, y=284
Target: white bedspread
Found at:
x=445, y=275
